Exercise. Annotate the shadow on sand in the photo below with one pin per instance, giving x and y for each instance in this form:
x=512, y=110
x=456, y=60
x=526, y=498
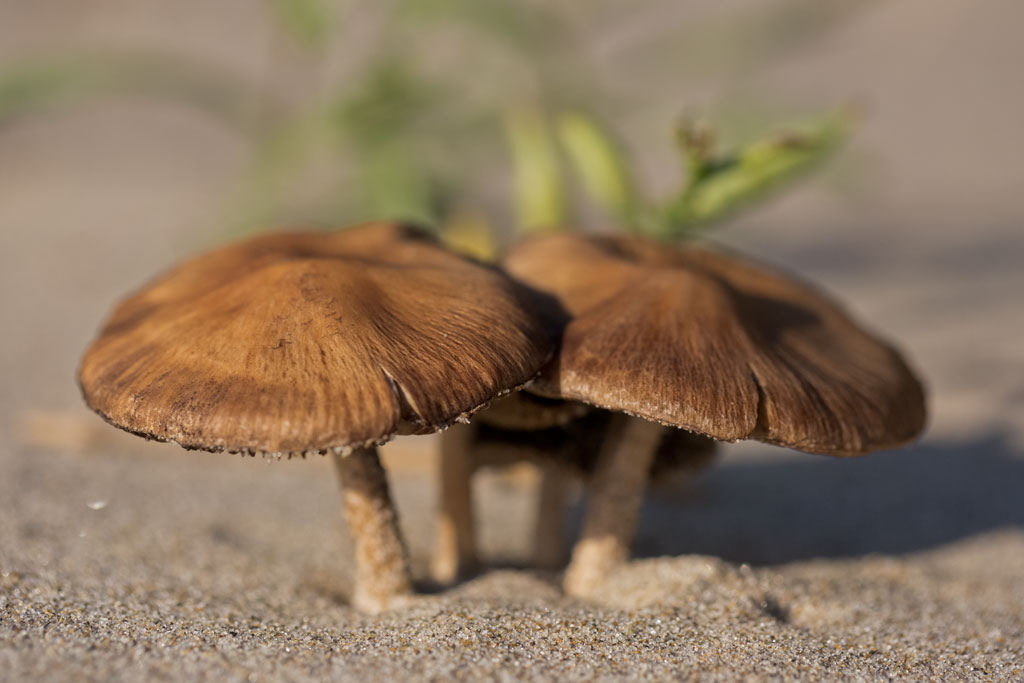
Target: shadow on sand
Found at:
x=890, y=503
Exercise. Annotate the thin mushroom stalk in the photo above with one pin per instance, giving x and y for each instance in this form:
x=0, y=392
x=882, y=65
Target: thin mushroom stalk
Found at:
x=455, y=553
x=652, y=455
x=615, y=496
x=549, y=524
x=463, y=451
x=382, y=564
x=564, y=441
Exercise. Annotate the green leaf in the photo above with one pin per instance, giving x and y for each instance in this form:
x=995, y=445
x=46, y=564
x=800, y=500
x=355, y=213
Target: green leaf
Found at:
x=396, y=188
x=539, y=186
x=470, y=234
x=601, y=165
x=718, y=187
x=389, y=100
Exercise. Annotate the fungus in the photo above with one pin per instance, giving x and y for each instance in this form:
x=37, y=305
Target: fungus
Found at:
x=568, y=451
x=561, y=439
x=298, y=343
x=712, y=343
x=463, y=451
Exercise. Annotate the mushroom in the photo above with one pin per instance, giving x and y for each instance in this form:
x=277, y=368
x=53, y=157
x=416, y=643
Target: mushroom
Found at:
x=494, y=438
x=561, y=439
x=298, y=343
x=712, y=343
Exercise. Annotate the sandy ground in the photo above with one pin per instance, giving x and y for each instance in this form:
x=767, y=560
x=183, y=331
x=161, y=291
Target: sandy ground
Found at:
x=126, y=560
x=163, y=565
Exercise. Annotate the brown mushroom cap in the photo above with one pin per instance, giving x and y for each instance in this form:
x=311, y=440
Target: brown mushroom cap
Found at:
x=716, y=344
x=305, y=342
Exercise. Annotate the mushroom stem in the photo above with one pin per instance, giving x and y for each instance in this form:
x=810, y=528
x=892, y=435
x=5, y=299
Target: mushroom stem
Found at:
x=382, y=567
x=455, y=552
x=549, y=526
x=616, y=493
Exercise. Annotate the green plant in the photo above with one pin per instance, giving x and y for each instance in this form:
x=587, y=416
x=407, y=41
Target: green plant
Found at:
x=414, y=128
x=716, y=186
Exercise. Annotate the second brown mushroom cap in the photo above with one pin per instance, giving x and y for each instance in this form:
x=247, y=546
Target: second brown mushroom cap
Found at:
x=712, y=343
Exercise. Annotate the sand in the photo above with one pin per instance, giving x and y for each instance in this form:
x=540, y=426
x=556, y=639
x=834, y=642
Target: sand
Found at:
x=123, y=560
x=165, y=565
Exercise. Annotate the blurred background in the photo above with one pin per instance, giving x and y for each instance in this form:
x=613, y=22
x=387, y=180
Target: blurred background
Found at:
x=135, y=132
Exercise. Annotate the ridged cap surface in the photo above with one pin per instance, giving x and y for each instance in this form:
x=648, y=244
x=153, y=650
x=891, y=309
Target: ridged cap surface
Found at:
x=303, y=342
x=717, y=344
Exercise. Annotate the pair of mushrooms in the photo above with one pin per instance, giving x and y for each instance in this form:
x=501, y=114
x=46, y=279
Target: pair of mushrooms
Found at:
x=300, y=343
